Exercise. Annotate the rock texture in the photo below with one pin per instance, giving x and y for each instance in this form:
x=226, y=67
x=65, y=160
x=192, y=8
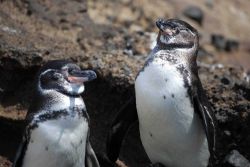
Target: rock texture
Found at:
x=194, y=13
x=115, y=45
x=228, y=90
x=237, y=160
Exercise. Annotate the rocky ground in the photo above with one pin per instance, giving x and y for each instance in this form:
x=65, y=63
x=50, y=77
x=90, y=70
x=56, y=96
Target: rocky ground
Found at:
x=114, y=38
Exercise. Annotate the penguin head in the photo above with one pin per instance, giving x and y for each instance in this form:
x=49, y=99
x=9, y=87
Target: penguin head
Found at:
x=64, y=77
x=176, y=34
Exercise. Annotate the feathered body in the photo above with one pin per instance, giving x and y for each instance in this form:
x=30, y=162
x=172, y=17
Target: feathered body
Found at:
x=57, y=133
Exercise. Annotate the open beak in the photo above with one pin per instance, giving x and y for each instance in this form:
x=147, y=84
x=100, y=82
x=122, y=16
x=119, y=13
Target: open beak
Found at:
x=79, y=77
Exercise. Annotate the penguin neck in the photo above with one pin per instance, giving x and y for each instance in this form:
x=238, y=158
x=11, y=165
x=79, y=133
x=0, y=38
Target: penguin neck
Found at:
x=184, y=55
x=187, y=48
x=53, y=100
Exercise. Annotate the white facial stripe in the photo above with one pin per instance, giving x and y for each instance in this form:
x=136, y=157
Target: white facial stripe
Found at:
x=40, y=89
x=64, y=67
x=60, y=102
x=76, y=89
x=163, y=39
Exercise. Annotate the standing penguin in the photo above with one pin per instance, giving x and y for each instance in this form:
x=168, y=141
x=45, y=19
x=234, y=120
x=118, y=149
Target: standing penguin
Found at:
x=57, y=132
x=177, y=125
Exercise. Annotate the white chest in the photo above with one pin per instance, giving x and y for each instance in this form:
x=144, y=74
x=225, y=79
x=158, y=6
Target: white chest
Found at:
x=58, y=143
x=170, y=131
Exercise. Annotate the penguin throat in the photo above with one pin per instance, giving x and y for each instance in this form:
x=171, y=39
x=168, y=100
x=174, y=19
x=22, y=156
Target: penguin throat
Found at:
x=164, y=43
x=71, y=94
x=73, y=90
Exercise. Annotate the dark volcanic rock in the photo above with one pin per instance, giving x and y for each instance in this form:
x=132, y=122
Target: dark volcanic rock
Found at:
x=228, y=90
x=231, y=45
x=22, y=47
x=236, y=159
x=59, y=13
x=202, y=52
x=218, y=41
x=4, y=162
x=194, y=13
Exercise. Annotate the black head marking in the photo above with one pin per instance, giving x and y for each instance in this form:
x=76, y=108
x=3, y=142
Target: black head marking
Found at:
x=54, y=64
x=174, y=33
x=174, y=23
x=63, y=76
x=185, y=72
x=61, y=114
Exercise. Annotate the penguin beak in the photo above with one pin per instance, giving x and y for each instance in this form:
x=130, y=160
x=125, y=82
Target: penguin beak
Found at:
x=159, y=24
x=78, y=76
x=165, y=27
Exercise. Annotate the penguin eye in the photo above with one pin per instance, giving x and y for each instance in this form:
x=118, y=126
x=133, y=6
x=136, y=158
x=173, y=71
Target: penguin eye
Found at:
x=70, y=70
x=56, y=76
x=177, y=31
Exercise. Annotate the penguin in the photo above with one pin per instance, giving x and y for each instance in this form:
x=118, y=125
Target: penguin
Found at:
x=57, y=131
x=176, y=122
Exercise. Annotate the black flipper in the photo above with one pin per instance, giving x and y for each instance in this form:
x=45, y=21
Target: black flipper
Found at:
x=156, y=165
x=119, y=127
x=18, y=161
x=90, y=157
x=206, y=113
x=104, y=160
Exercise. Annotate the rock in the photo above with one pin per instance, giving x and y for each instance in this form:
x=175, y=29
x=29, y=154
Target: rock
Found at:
x=202, y=52
x=218, y=41
x=4, y=162
x=221, y=43
x=227, y=89
x=27, y=46
x=231, y=45
x=237, y=160
x=194, y=13
x=209, y=3
x=63, y=13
